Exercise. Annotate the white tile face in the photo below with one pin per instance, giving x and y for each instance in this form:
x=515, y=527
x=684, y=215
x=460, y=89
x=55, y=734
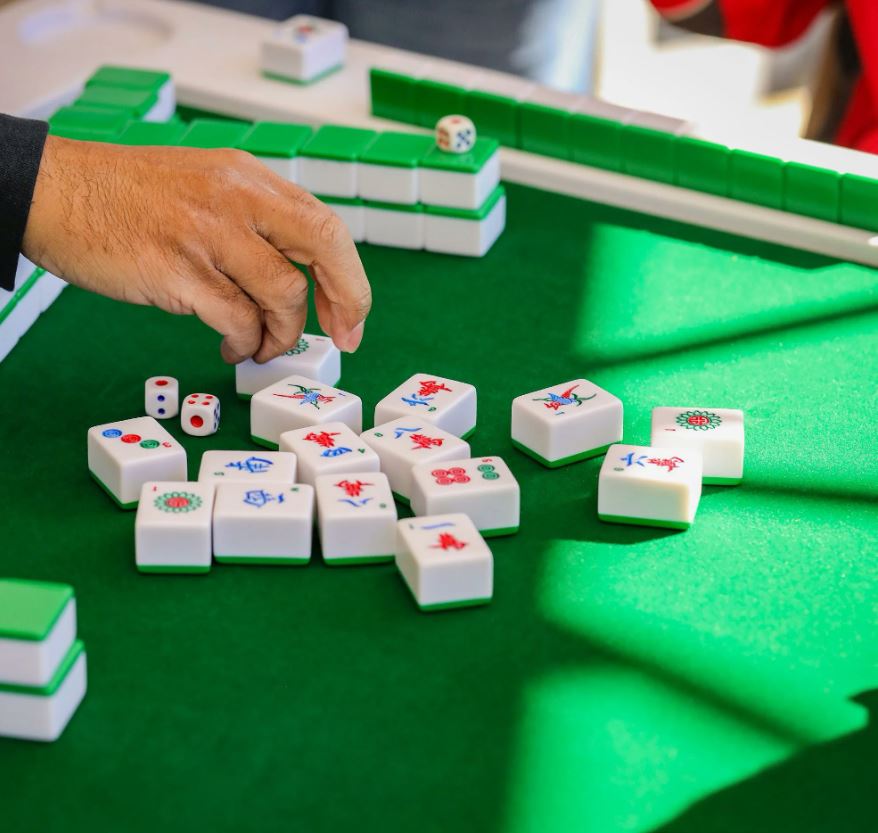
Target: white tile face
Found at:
x=255, y=468
x=403, y=443
x=270, y=524
x=327, y=449
x=444, y=561
x=387, y=183
x=298, y=402
x=124, y=455
x=718, y=433
x=572, y=420
x=327, y=177
x=43, y=718
x=400, y=229
x=354, y=218
x=284, y=166
x=447, y=404
x=304, y=47
x=200, y=415
x=483, y=488
x=470, y=238
x=648, y=485
x=172, y=531
x=162, y=397
x=357, y=517
x=459, y=190
x=313, y=356
x=32, y=662
x=49, y=288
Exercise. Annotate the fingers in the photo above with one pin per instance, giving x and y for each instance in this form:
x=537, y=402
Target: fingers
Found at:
x=275, y=286
x=305, y=230
x=226, y=308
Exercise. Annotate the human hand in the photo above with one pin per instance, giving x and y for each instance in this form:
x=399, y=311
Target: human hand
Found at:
x=209, y=232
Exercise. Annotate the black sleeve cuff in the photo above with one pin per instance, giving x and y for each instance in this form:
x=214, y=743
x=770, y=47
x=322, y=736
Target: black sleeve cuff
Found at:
x=21, y=149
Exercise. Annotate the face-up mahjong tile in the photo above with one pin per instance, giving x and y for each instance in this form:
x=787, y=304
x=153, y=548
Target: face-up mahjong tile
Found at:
x=566, y=423
x=650, y=486
x=314, y=357
x=328, y=448
x=718, y=433
x=483, y=488
x=403, y=443
x=444, y=561
x=248, y=467
x=297, y=402
x=356, y=517
x=267, y=523
x=447, y=404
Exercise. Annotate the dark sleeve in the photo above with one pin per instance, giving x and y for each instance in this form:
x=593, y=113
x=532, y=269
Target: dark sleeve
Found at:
x=21, y=148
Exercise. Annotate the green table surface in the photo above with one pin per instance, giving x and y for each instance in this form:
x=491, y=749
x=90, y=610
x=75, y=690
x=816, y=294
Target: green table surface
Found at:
x=624, y=679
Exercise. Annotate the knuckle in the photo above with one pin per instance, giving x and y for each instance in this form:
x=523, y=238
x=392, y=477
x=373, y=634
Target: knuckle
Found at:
x=329, y=230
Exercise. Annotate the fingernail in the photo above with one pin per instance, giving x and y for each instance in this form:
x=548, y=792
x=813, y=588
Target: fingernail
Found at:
x=353, y=339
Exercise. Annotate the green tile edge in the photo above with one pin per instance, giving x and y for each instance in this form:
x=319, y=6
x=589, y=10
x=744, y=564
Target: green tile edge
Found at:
x=722, y=481
x=125, y=506
x=172, y=569
x=623, y=519
x=563, y=461
x=76, y=650
x=353, y=560
x=260, y=559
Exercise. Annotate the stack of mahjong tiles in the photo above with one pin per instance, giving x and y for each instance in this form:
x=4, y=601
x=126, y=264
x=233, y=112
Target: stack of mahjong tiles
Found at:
x=646, y=485
x=42, y=663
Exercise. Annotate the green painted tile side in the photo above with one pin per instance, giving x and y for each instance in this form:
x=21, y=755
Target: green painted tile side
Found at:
x=401, y=207
x=722, y=481
x=83, y=134
x=545, y=130
x=73, y=653
x=352, y=561
x=393, y=95
x=495, y=117
x=595, y=141
x=467, y=434
x=325, y=74
x=476, y=214
x=400, y=499
x=859, y=202
x=399, y=150
x=339, y=200
x=189, y=114
x=813, y=192
x=623, y=519
x=342, y=144
x=259, y=559
x=30, y=609
x=144, y=133
x=434, y=99
x=214, y=133
x=756, y=178
x=136, y=102
x=172, y=569
x=465, y=163
x=135, y=79
x=564, y=461
x=499, y=531
x=702, y=166
x=268, y=138
x=263, y=442
x=104, y=119
x=647, y=153
x=125, y=506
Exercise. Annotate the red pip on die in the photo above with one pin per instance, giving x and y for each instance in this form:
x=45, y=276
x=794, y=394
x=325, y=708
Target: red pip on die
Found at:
x=200, y=414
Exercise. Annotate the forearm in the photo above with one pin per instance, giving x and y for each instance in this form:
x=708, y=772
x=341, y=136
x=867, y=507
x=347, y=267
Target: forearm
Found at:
x=21, y=148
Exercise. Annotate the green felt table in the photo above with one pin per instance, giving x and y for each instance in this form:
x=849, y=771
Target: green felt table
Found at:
x=623, y=679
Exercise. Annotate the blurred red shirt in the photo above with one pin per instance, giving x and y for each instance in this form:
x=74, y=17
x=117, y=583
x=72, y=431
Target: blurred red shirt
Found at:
x=776, y=23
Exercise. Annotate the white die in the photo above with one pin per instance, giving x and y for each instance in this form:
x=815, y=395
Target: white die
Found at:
x=327, y=449
x=124, y=455
x=403, y=443
x=356, y=517
x=447, y=404
x=313, y=356
x=444, y=561
x=268, y=524
x=172, y=533
x=483, y=488
x=718, y=433
x=304, y=47
x=248, y=467
x=566, y=423
x=200, y=415
x=162, y=397
x=455, y=134
x=297, y=402
x=650, y=486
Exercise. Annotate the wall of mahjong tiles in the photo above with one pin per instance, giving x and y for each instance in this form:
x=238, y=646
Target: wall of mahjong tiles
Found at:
x=623, y=678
